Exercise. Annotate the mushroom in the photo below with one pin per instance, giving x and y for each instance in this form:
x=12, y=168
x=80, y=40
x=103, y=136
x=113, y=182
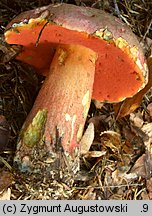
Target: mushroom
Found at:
x=85, y=53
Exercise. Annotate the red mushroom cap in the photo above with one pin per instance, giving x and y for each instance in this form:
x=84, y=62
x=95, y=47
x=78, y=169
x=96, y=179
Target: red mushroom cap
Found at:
x=121, y=70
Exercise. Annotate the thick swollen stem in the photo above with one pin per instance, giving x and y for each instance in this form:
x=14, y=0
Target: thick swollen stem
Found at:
x=63, y=102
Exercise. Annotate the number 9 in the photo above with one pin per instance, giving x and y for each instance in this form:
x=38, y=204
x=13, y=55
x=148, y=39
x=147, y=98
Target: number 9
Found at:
x=145, y=208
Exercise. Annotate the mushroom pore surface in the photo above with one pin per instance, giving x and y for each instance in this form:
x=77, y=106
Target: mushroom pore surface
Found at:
x=117, y=76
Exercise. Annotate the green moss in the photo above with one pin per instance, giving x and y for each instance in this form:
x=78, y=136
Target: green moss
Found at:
x=33, y=134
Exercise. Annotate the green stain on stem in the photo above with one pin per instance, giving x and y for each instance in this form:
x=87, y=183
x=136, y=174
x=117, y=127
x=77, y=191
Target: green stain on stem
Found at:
x=33, y=134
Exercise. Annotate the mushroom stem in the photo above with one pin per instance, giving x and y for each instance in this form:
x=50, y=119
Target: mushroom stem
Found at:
x=66, y=95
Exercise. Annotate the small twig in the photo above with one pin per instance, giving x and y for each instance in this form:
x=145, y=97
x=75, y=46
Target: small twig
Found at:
x=147, y=31
x=116, y=8
x=125, y=20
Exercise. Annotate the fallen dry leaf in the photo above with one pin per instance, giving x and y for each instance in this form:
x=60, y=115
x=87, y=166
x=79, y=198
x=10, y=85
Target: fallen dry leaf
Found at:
x=128, y=148
x=137, y=119
x=147, y=129
x=111, y=139
x=118, y=178
x=95, y=154
x=87, y=139
x=6, y=179
x=139, y=132
x=6, y=194
x=147, y=193
x=133, y=141
x=149, y=187
x=149, y=108
x=122, y=177
x=142, y=166
x=98, y=122
x=84, y=175
x=124, y=162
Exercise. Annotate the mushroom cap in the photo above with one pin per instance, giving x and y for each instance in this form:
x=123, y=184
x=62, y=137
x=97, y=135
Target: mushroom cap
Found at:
x=121, y=69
